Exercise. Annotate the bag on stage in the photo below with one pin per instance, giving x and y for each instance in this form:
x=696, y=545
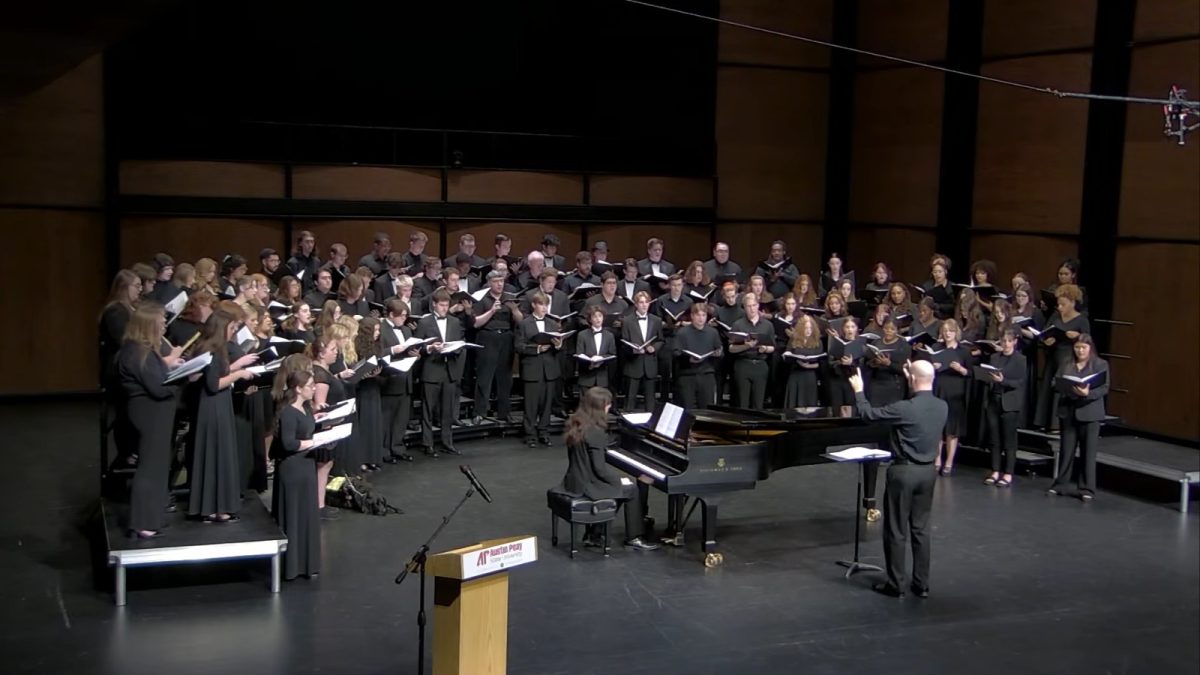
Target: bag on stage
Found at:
x=356, y=494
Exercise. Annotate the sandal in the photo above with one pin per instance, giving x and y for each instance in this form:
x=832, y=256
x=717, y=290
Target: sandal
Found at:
x=1003, y=483
x=991, y=480
x=946, y=470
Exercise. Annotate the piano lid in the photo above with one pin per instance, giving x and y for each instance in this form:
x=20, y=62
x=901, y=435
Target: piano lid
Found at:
x=788, y=418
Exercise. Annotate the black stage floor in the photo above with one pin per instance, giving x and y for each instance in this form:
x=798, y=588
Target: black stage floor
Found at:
x=1022, y=583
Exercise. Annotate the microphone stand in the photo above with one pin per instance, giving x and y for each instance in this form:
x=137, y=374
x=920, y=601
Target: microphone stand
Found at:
x=417, y=564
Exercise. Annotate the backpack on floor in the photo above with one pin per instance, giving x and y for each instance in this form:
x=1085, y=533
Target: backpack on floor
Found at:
x=356, y=494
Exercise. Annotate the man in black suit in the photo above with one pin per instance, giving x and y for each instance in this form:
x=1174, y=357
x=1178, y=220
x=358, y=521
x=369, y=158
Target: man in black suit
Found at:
x=305, y=262
x=535, y=262
x=916, y=430
x=583, y=274
x=396, y=387
x=540, y=369
x=654, y=265
x=466, y=247
x=377, y=259
x=387, y=286
x=1006, y=397
x=414, y=257
x=430, y=279
x=631, y=284
x=550, y=245
x=322, y=290
x=641, y=359
x=440, y=372
x=720, y=267
x=593, y=340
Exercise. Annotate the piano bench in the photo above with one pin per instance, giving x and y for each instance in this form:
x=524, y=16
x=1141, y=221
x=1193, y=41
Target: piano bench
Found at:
x=577, y=510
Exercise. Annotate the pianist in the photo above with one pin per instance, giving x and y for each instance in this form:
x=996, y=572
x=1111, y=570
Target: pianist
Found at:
x=916, y=427
x=588, y=473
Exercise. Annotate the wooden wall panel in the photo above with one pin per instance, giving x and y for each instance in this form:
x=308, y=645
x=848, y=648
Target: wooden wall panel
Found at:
x=52, y=142
x=189, y=239
x=515, y=187
x=682, y=243
x=1024, y=26
x=905, y=250
x=810, y=19
x=1166, y=18
x=1030, y=147
x=651, y=191
x=52, y=345
x=751, y=242
x=201, y=179
x=1163, y=374
x=897, y=147
x=367, y=183
x=771, y=138
x=358, y=235
x=913, y=30
x=1159, y=197
x=526, y=237
x=1037, y=256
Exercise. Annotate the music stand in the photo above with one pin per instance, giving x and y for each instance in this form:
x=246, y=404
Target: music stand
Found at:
x=855, y=565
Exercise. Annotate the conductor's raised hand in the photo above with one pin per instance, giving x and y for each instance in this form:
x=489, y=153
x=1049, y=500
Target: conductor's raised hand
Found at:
x=856, y=382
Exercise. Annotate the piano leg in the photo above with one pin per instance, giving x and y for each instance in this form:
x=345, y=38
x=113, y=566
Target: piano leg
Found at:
x=673, y=535
x=712, y=557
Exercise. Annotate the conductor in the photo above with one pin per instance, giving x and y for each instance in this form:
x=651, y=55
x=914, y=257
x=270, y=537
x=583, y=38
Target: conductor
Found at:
x=916, y=428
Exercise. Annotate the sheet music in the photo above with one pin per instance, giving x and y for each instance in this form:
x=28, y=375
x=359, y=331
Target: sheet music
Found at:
x=330, y=436
x=455, y=345
x=243, y=336
x=189, y=367
x=668, y=422
x=176, y=305
x=340, y=411
x=637, y=418
x=403, y=365
x=855, y=454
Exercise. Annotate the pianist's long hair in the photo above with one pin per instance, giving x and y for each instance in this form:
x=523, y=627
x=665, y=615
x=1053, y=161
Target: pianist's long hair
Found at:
x=591, y=414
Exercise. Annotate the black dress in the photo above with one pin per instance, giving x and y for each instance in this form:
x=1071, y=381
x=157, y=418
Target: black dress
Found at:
x=369, y=426
x=215, y=471
x=888, y=383
x=802, y=389
x=951, y=387
x=337, y=394
x=1058, y=357
x=150, y=406
x=294, y=499
x=243, y=415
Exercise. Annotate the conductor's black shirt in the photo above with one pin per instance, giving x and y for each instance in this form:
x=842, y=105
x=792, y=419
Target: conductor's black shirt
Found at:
x=916, y=424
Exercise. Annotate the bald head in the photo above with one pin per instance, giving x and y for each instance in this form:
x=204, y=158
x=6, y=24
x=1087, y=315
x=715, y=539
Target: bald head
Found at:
x=920, y=375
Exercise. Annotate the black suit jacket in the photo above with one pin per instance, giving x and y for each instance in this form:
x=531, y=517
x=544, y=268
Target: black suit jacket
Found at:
x=392, y=381
x=383, y=288
x=638, y=287
x=536, y=367
x=442, y=367
x=641, y=365
x=585, y=344
x=588, y=472
x=1011, y=391
x=1088, y=408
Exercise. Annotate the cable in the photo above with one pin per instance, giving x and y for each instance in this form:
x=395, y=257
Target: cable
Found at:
x=919, y=64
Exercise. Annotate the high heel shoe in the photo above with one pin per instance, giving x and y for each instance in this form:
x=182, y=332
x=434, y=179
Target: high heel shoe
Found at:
x=946, y=471
x=144, y=534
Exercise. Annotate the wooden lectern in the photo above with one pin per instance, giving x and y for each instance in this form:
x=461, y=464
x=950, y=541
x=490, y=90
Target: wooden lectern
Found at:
x=470, y=604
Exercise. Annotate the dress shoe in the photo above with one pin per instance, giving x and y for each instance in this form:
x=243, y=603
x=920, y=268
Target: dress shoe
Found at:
x=1086, y=496
x=638, y=544
x=171, y=508
x=476, y=420
x=430, y=452
x=545, y=440
x=391, y=459
x=144, y=534
x=329, y=513
x=919, y=591
x=451, y=450
x=888, y=590
x=531, y=442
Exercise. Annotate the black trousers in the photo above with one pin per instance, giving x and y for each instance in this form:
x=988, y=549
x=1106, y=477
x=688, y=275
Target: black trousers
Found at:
x=666, y=370
x=908, y=500
x=397, y=410
x=750, y=382
x=440, y=396
x=1083, y=472
x=695, y=392
x=1002, y=436
x=539, y=402
x=495, y=367
x=870, y=479
x=632, y=385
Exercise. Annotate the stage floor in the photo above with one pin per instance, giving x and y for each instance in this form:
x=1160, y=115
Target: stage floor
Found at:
x=1022, y=583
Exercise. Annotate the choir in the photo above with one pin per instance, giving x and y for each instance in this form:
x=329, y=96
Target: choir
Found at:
x=411, y=339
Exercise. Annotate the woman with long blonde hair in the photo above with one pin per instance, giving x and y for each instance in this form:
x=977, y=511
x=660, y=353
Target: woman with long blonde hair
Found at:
x=206, y=275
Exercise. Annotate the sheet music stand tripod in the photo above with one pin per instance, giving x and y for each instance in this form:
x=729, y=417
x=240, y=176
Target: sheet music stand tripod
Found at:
x=855, y=565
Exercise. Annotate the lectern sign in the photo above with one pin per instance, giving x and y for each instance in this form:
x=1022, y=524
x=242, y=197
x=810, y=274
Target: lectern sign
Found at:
x=499, y=557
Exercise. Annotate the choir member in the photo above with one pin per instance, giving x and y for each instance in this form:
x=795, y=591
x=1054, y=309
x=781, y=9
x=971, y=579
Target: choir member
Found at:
x=950, y=360
x=386, y=285
x=430, y=279
x=878, y=315
x=549, y=251
x=779, y=271
x=368, y=397
x=805, y=294
x=150, y=410
x=720, y=267
x=926, y=321
x=881, y=280
x=296, y=493
x=608, y=300
x=588, y=473
x=327, y=315
x=641, y=337
x=206, y=276
x=900, y=303
x=672, y=308
x=1026, y=316
x=845, y=286
x=440, y=373
x=368, y=280
x=938, y=287
x=147, y=276
x=750, y=355
x=969, y=315
x=983, y=273
x=262, y=291
x=330, y=390
x=1006, y=393
x=462, y=263
x=540, y=369
x=466, y=246
x=216, y=489
x=350, y=297
x=558, y=305
x=270, y=266
x=1072, y=323
x=653, y=268
x=835, y=308
x=322, y=289
x=233, y=268
x=802, y=376
x=535, y=262
x=1000, y=320
x=885, y=360
x=697, y=284
x=1080, y=413
x=192, y=319
x=845, y=350
x=377, y=259
x=594, y=341
x=1068, y=274
x=495, y=319
x=726, y=311
x=631, y=283
x=758, y=287
x=298, y=326
x=288, y=293
x=114, y=318
x=600, y=261
x=833, y=275
x=304, y=261
x=452, y=282
x=164, y=269
x=414, y=257
x=185, y=277
x=396, y=386
x=582, y=274
x=695, y=385
x=251, y=405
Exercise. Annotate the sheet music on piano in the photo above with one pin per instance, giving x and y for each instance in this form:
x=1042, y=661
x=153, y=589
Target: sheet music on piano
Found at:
x=668, y=421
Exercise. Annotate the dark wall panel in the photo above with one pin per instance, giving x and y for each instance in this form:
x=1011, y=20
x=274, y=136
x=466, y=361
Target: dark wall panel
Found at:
x=683, y=243
x=201, y=179
x=1166, y=18
x=368, y=183
x=50, y=345
x=897, y=146
x=651, y=191
x=1163, y=374
x=905, y=250
x=771, y=128
x=1159, y=197
x=189, y=239
x=913, y=30
x=1036, y=256
x=515, y=187
x=1030, y=149
x=810, y=19
x=358, y=235
x=525, y=237
x=1023, y=26
x=751, y=242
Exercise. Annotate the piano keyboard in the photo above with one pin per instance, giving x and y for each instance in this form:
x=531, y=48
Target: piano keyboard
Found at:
x=626, y=459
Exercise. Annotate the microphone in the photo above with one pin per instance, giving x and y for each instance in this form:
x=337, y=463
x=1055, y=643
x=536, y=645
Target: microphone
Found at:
x=475, y=482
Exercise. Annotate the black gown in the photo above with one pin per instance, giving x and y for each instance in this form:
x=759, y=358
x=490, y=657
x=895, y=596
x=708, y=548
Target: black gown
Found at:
x=215, y=471
x=337, y=394
x=802, y=390
x=888, y=383
x=150, y=406
x=951, y=387
x=369, y=425
x=294, y=498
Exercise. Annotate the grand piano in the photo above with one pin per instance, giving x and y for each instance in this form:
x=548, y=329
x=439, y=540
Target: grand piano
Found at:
x=723, y=449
